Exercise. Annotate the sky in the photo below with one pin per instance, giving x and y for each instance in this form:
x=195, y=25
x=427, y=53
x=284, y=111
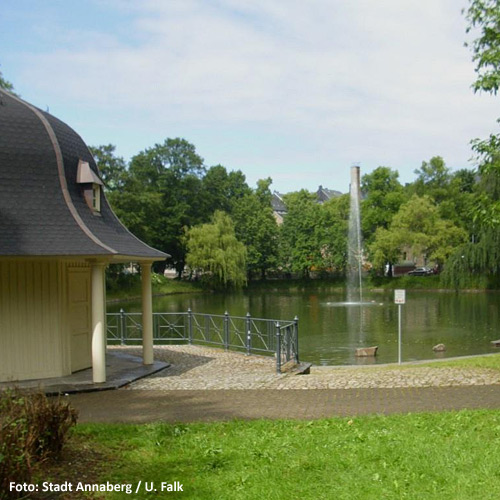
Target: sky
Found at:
x=295, y=90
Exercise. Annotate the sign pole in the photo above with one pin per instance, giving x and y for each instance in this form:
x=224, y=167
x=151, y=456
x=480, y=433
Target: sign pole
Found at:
x=399, y=299
x=399, y=334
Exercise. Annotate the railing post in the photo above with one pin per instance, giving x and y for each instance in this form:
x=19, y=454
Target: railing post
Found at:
x=207, y=319
x=123, y=326
x=190, y=325
x=296, y=331
x=278, y=347
x=248, y=330
x=288, y=342
x=226, y=330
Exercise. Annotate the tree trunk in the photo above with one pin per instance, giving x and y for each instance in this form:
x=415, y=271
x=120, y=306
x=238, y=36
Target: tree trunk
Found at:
x=179, y=267
x=159, y=267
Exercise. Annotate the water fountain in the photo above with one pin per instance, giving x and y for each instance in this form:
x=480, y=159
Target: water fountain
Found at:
x=354, y=243
x=355, y=307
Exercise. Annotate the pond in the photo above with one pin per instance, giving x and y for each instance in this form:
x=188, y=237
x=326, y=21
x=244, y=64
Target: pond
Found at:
x=330, y=331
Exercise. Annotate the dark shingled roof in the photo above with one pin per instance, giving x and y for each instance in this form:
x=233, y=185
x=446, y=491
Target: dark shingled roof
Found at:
x=277, y=203
x=42, y=208
x=324, y=194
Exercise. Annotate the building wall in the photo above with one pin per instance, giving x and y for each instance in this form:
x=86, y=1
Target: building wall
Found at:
x=78, y=309
x=34, y=332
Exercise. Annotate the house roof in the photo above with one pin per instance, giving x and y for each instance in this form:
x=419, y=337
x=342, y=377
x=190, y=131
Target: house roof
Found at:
x=325, y=194
x=277, y=203
x=43, y=211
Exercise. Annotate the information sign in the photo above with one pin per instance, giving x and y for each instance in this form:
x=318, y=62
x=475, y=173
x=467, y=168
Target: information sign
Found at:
x=399, y=296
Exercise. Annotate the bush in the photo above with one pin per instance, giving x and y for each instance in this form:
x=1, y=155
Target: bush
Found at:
x=33, y=428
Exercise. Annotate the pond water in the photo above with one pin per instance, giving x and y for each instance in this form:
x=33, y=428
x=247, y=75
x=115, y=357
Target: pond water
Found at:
x=330, y=330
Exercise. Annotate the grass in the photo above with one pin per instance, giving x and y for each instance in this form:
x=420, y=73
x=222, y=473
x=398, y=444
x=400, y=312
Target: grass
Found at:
x=432, y=282
x=450, y=455
x=491, y=362
x=130, y=287
x=297, y=284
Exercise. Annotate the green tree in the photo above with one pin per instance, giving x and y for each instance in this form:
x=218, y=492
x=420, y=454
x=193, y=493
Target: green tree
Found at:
x=484, y=15
x=111, y=167
x=386, y=249
x=459, y=206
x=332, y=233
x=478, y=261
x=6, y=85
x=453, y=193
x=138, y=209
x=433, y=179
x=174, y=159
x=165, y=183
x=214, y=250
x=383, y=195
x=313, y=236
x=418, y=229
x=256, y=227
x=300, y=234
x=483, y=18
x=222, y=189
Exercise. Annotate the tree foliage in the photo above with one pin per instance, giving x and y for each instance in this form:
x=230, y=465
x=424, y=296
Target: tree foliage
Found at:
x=478, y=259
x=483, y=17
x=416, y=229
x=163, y=189
x=214, y=250
x=333, y=220
x=166, y=192
x=222, y=189
x=475, y=263
x=383, y=195
x=300, y=246
x=6, y=85
x=313, y=236
x=111, y=167
x=256, y=227
x=433, y=179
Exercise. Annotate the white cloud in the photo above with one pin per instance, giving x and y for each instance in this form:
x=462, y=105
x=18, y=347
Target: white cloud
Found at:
x=388, y=81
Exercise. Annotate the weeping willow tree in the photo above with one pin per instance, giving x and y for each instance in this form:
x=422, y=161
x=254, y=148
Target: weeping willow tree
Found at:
x=214, y=251
x=477, y=263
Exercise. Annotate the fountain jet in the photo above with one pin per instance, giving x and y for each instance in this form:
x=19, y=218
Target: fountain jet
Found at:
x=355, y=247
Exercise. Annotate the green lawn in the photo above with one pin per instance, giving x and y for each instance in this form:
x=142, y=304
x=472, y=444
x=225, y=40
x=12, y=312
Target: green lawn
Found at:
x=451, y=455
x=131, y=287
x=491, y=362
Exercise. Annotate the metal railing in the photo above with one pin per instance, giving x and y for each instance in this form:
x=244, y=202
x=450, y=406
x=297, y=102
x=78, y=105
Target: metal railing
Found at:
x=240, y=333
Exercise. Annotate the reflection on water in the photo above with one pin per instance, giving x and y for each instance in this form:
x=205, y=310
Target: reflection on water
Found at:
x=331, y=329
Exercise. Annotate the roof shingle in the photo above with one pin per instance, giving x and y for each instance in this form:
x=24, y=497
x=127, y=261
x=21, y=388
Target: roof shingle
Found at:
x=37, y=217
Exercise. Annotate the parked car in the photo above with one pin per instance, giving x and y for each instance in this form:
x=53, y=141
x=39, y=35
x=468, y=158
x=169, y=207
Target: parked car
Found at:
x=421, y=271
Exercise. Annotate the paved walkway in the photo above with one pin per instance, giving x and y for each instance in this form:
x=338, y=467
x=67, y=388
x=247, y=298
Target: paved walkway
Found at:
x=208, y=384
x=201, y=368
x=141, y=406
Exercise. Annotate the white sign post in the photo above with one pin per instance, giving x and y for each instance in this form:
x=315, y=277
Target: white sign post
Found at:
x=399, y=299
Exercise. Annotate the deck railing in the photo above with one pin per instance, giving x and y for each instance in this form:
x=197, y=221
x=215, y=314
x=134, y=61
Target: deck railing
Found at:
x=241, y=333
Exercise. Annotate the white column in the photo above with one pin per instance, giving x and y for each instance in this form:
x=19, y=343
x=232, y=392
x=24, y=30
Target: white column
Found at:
x=98, y=323
x=147, y=315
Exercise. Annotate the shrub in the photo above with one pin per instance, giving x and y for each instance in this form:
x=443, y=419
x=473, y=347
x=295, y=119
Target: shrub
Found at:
x=33, y=428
